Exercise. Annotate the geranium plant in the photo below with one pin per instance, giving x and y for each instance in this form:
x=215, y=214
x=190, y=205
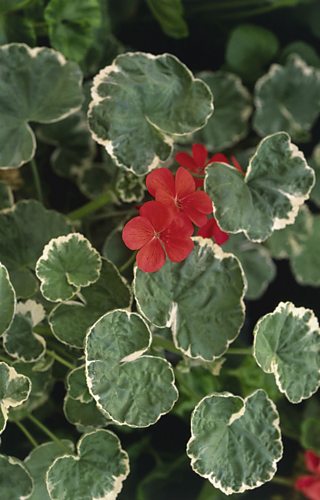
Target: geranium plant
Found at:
x=159, y=251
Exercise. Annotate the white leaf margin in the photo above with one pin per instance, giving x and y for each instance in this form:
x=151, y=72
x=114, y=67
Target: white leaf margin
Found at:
x=8, y=403
x=7, y=277
x=16, y=461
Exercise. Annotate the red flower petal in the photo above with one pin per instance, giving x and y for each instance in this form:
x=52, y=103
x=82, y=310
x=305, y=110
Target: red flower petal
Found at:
x=219, y=158
x=199, y=200
x=151, y=257
x=177, y=241
x=137, y=232
x=160, y=179
x=309, y=486
x=185, y=160
x=236, y=164
x=195, y=216
x=312, y=462
x=185, y=184
x=200, y=155
x=182, y=224
x=212, y=230
x=158, y=215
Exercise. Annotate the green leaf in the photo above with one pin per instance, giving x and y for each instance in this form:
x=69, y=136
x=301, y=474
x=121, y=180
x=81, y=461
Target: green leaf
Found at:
x=14, y=390
x=305, y=261
x=7, y=300
x=98, y=470
x=70, y=321
x=16, y=482
x=169, y=14
x=315, y=164
x=287, y=344
x=41, y=384
x=130, y=187
x=290, y=241
x=303, y=50
x=67, y=264
x=119, y=375
x=310, y=434
x=6, y=196
x=201, y=299
x=24, y=231
x=79, y=406
x=230, y=436
x=233, y=107
x=277, y=181
x=250, y=49
x=11, y=5
x=288, y=98
x=140, y=103
x=257, y=264
x=21, y=343
x=74, y=147
x=49, y=89
x=38, y=462
x=72, y=26
x=114, y=249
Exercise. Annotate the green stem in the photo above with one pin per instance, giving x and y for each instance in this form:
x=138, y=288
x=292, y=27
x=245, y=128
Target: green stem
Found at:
x=128, y=263
x=43, y=330
x=92, y=206
x=5, y=359
x=167, y=344
x=28, y=434
x=239, y=351
x=55, y=346
x=36, y=180
x=284, y=481
x=60, y=359
x=47, y=431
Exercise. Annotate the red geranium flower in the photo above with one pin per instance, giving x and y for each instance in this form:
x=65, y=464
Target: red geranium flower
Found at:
x=198, y=161
x=179, y=194
x=309, y=485
x=156, y=236
x=212, y=230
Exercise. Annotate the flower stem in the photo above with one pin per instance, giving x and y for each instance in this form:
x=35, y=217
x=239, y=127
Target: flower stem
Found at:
x=284, y=481
x=92, y=206
x=128, y=263
x=28, y=434
x=167, y=344
x=239, y=351
x=60, y=359
x=36, y=179
x=47, y=431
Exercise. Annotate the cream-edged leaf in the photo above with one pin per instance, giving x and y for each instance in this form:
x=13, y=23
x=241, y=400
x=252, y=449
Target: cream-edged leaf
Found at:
x=96, y=472
x=140, y=103
x=230, y=436
x=67, y=264
x=15, y=480
x=200, y=299
x=119, y=374
x=14, y=390
x=21, y=343
x=277, y=182
x=7, y=300
x=287, y=344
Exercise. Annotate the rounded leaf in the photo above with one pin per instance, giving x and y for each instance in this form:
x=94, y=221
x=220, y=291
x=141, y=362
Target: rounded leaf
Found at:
x=232, y=110
x=305, y=261
x=287, y=344
x=14, y=390
x=70, y=321
x=24, y=231
x=315, y=164
x=235, y=443
x=37, y=85
x=38, y=462
x=140, y=103
x=277, y=182
x=21, y=343
x=288, y=98
x=15, y=481
x=7, y=300
x=67, y=264
x=129, y=387
x=201, y=299
x=98, y=470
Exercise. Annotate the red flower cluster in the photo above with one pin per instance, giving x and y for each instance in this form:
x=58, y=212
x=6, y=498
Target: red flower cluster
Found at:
x=309, y=485
x=164, y=227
